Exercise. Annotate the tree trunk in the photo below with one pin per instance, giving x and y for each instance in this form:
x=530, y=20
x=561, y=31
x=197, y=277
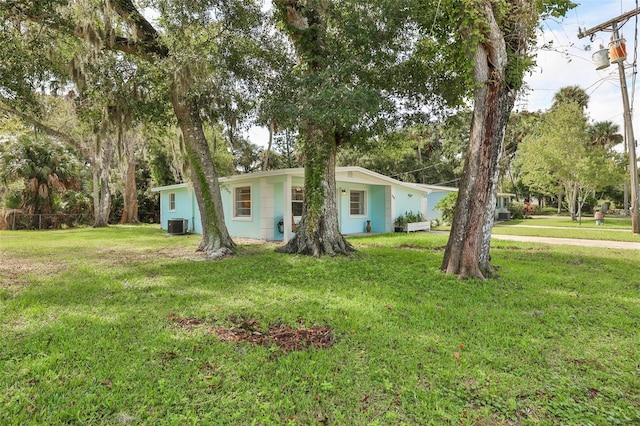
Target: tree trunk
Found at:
x=318, y=232
x=130, y=210
x=467, y=252
x=267, y=152
x=216, y=241
x=101, y=193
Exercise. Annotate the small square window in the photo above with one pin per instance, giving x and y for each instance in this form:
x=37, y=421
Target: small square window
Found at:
x=242, y=205
x=172, y=202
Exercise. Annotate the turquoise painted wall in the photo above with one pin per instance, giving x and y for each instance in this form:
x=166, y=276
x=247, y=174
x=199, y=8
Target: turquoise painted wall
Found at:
x=376, y=208
x=407, y=201
x=278, y=208
x=374, y=211
x=240, y=226
x=432, y=200
x=186, y=208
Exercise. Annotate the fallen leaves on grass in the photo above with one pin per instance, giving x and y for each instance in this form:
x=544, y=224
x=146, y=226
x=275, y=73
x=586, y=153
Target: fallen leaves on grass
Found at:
x=284, y=336
x=417, y=247
x=188, y=323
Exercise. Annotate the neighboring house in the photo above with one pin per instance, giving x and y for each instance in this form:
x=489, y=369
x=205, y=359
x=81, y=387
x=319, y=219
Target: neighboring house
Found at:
x=268, y=205
x=436, y=193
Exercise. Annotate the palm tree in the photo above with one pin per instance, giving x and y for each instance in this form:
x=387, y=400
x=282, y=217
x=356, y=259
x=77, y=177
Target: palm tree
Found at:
x=605, y=134
x=45, y=167
x=571, y=94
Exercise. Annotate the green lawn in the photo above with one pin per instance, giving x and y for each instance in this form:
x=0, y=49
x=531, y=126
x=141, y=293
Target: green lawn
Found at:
x=90, y=336
x=614, y=229
x=610, y=222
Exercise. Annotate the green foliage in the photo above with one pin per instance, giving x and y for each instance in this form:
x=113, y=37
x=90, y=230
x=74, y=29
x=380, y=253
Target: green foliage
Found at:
x=521, y=211
x=45, y=168
x=429, y=153
x=558, y=157
x=160, y=163
x=411, y=345
x=408, y=217
x=571, y=95
x=33, y=59
x=447, y=206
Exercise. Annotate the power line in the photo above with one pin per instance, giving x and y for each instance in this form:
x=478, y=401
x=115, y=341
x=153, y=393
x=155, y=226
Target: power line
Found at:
x=417, y=170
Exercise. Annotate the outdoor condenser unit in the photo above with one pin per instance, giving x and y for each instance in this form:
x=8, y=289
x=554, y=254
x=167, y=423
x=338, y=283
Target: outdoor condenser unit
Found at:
x=177, y=226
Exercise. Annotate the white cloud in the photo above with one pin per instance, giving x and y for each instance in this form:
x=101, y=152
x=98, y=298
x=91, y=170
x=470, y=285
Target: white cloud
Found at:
x=569, y=64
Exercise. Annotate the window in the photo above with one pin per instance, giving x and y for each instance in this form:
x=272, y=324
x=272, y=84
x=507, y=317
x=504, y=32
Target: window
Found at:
x=357, y=203
x=297, y=199
x=242, y=205
x=172, y=202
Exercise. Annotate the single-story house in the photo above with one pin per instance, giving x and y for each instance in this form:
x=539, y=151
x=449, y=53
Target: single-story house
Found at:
x=437, y=192
x=268, y=205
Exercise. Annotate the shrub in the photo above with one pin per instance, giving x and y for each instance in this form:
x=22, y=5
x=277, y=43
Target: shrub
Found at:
x=408, y=217
x=447, y=205
x=517, y=210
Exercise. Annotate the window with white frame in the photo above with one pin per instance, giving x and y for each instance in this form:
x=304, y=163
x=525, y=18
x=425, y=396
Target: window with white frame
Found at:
x=242, y=204
x=357, y=202
x=172, y=202
x=297, y=199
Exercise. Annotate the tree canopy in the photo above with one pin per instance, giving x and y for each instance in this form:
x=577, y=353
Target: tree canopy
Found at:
x=560, y=158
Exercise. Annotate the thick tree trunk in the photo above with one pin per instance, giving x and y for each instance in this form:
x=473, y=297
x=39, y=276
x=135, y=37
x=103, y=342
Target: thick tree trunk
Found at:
x=467, y=252
x=130, y=210
x=318, y=231
x=216, y=241
x=101, y=193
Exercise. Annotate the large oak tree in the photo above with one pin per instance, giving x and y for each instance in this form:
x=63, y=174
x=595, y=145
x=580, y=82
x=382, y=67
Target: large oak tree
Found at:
x=340, y=91
x=499, y=35
x=195, y=46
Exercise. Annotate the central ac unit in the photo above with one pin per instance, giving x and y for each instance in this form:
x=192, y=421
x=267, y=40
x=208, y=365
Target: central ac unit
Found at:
x=177, y=226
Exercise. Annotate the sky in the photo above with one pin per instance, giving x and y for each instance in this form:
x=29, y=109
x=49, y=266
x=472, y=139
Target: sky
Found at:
x=569, y=62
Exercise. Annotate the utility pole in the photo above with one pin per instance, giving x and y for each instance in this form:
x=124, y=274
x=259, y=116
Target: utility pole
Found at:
x=613, y=25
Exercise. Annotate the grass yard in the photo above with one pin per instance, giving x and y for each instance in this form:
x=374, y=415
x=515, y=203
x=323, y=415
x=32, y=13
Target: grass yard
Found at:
x=610, y=222
x=616, y=229
x=122, y=326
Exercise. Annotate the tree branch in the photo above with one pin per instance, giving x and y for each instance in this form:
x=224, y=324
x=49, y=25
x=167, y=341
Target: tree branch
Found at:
x=64, y=137
x=150, y=42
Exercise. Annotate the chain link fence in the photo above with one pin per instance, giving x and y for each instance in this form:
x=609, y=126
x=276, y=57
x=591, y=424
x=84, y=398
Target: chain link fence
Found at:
x=15, y=220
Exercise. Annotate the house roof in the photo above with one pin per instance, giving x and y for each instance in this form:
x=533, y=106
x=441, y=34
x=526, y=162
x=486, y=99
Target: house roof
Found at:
x=439, y=188
x=353, y=174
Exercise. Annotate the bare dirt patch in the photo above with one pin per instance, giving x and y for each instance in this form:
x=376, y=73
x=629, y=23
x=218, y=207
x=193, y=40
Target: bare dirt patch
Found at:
x=284, y=336
x=15, y=272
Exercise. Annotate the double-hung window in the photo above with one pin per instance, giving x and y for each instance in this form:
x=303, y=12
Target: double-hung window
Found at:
x=172, y=202
x=357, y=202
x=297, y=199
x=242, y=202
